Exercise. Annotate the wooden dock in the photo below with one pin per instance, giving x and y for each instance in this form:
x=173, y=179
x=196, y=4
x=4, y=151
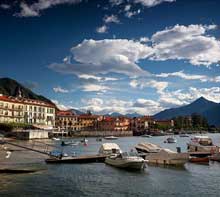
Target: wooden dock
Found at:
x=77, y=159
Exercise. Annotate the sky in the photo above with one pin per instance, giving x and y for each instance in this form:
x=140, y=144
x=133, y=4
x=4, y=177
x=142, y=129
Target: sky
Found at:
x=107, y=56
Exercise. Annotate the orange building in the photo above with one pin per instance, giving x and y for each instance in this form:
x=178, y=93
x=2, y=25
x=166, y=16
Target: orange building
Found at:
x=114, y=124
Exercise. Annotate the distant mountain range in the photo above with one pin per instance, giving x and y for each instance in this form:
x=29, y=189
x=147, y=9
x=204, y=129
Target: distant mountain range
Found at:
x=10, y=87
x=202, y=106
x=130, y=115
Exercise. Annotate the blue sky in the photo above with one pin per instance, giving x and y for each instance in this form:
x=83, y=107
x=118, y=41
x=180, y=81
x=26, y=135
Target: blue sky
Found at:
x=113, y=55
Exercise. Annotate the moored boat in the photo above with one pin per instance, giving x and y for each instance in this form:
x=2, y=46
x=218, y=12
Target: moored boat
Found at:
x=170, y=140
x=111, y=138
x=126, y=161
x=199, y=159
x=109, y=148
x=184, y=135
x=71, y=143
x=202, y=144
x=145, y=135
x=161, y=156
x=147, y=148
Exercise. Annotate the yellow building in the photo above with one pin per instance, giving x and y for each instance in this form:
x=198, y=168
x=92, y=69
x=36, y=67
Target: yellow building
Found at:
x=22, y=110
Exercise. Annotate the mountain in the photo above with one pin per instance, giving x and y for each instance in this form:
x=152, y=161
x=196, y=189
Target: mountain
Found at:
x=77, y=112
x=201, y=106
x=10, y=87
x=130, y=115
x=213, y=115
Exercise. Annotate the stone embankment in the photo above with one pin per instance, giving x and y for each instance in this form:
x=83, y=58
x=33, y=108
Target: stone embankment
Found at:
x=102, y=133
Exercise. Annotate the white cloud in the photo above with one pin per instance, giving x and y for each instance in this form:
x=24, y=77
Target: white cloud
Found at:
x=144, y=39
x=35, y=8
x=5, y=6
x=152, y=3
x=106, y=56
x=102, y=29
x=160, y=86
x=186, y=43
x=130, y=14
x=97, y=78
x=183, y=97
x=116, y=2
x=95, y=88
x=58, y=89
x=181, y=74
x=127, y=7
x=141, y=106
x=111, y=19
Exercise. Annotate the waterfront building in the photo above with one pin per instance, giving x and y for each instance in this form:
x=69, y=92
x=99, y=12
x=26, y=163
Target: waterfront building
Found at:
x=23, y=110
x=114, y=124
x=141, y=124
x=165, y=123
x=88, y=122
x=67, y=120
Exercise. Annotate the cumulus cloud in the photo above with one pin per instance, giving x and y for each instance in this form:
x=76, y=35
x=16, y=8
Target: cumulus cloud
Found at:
x=187, y=43
x=5, y=6
x=102, y=29
x=106, y=56
x=34, y=9
x=141, y=106
x=160, y=86
x=181, y=74
x=59, y=89
x=97, y=78
x=111, y=19
x=116, y=2
x=95, y=88
x=152, y=3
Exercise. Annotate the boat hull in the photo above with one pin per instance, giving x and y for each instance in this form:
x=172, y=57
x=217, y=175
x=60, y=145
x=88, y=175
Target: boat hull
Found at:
x=135, y=165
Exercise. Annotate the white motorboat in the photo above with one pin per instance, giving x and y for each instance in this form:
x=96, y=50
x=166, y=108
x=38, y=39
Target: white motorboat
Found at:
x=147, y=148
x=126, y=161
x=170, y=140
x=85, y=141
x=109, y=148
x=145, y=135
x=184, y=135
x=56, y=139
x=111, y=138
x=202, y=144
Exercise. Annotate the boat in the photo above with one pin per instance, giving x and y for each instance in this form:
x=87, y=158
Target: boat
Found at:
x=145, y=135
x=109, y=148
x=202, y=144
x=126, y=161
x=111, y=138
x=170, y=140
x=98, y=139
x=71, y=143
x=184, y=135
x=56, y=139
x=85, y=141
x=199, y=159
x=157, y=155
x=167, y=157
x=147, y=148
x=215, y=157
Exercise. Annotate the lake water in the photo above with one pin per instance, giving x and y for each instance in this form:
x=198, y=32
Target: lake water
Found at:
x=98, y=179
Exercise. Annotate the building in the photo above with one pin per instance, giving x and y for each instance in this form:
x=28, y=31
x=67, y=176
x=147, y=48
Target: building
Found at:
x=142, y=124
x=66, y=120
x=114, y=124
x=165, y=123
x=22, y=110
x=88, y=122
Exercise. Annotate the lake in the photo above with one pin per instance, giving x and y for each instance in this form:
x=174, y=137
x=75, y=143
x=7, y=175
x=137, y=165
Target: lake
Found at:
x=98, y=179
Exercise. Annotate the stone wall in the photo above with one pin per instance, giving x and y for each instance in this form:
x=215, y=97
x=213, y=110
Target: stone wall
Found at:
x=102, y=133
